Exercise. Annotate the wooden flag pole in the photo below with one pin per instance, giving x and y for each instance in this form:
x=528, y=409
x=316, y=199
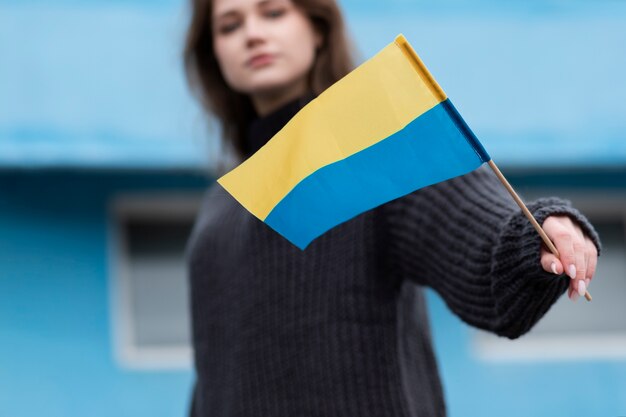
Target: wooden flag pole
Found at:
x=528, y=214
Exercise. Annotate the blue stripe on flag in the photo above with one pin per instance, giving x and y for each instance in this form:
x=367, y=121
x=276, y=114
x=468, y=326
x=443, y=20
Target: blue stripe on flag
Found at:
x=432, y=148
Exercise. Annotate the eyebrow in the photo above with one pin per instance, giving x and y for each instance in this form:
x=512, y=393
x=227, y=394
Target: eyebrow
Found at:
x=230, y=12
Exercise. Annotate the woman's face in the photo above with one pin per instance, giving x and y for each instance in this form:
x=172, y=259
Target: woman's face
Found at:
x=264, y=47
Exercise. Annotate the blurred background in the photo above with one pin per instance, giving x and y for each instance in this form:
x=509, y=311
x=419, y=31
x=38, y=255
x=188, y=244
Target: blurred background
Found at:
x=104, y=156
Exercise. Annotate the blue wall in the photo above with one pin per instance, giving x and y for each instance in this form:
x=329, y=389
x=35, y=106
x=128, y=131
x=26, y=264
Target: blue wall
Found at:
x=56, y=351
x=546, y=389
x=99, y=83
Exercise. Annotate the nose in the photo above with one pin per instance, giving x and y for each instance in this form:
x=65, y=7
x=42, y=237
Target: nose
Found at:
x=255, y=33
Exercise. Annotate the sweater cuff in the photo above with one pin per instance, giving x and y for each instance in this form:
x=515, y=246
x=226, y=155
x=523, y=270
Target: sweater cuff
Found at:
x=523, y=291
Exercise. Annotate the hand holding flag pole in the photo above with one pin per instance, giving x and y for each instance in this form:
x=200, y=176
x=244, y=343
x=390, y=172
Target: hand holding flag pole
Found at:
x=529, y=215
x=469, y=135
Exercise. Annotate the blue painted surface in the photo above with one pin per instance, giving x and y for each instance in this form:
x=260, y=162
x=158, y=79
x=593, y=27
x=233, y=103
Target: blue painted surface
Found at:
x=430, y=149
x=100, y=84
x=574, y=388
x=56, y=351
x=96, y=86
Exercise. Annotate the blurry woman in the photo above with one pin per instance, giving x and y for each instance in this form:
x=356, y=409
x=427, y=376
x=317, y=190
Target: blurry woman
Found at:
x=340, y=329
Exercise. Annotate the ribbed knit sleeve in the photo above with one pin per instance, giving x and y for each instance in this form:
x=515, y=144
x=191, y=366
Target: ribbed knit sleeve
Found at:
x=468, y=240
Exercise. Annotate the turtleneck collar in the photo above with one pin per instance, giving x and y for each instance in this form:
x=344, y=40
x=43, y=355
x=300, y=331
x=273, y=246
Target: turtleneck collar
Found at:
x=263, y=128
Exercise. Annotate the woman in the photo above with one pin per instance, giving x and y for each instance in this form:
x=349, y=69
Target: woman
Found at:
x=340, y=329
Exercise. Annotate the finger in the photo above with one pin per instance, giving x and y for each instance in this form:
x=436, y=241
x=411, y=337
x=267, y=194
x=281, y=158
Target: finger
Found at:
x=580, y=248
x=586, y=261
x=550, y=263
x=592, y=261
x=572, y=293
x=565, y=245
x=573, y=287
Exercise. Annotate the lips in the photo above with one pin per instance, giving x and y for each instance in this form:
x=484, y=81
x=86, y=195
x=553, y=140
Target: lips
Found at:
x=260, y=60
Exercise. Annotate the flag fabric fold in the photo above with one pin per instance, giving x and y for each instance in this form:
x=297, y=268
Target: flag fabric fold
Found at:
x=382, y=131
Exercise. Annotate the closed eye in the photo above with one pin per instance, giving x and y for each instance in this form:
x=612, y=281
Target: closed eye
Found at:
x=229, y=27
x=275, y=13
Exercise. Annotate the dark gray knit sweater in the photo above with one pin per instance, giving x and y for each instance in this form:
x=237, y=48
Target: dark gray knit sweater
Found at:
x=340, y=329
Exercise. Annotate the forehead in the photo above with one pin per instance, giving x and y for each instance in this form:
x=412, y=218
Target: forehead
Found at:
x=221, y=7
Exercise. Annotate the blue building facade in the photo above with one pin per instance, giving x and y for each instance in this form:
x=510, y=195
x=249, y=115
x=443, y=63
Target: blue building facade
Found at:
x=95, y=120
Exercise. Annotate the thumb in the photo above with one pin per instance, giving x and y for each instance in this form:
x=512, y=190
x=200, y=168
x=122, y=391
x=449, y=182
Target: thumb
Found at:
x=551, y=263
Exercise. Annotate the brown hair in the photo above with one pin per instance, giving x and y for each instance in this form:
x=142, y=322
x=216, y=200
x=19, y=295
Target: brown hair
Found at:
x=234, y=110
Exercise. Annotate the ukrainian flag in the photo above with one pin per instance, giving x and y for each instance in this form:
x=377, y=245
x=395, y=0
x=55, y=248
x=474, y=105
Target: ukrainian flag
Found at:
x=384, y=130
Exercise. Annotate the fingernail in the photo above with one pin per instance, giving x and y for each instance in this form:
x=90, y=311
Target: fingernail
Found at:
x=572, y=271
x=574, y=296
x=582, y=288
x=553, y=267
